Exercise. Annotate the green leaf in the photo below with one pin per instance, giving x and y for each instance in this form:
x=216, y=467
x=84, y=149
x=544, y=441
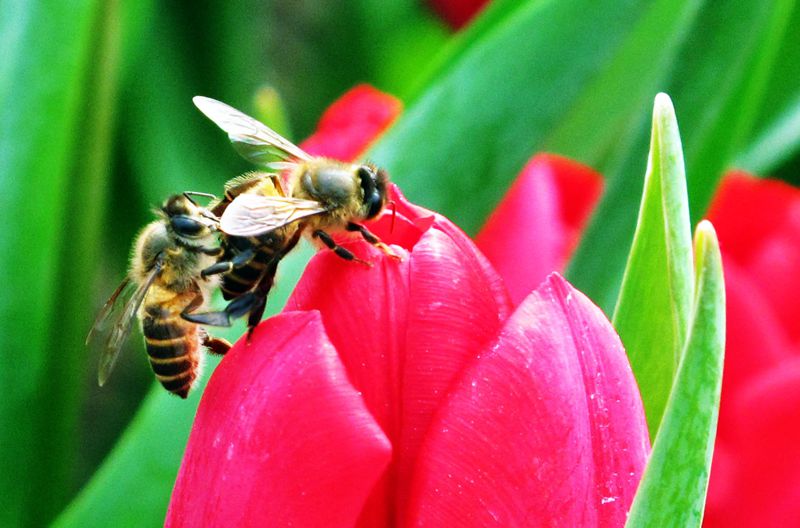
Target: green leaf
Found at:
x=42, y=89
x=777, y=133
x=133, y=487
x=673, y=488
x=775, y=143
x=65, y=372
x=527, y=76
x=718, y=86
x=652, y=314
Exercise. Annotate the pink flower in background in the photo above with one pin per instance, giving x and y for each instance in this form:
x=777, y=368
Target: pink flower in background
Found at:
x=539, y=222
x=457, y=13
x=414, y=393
x=755, y=477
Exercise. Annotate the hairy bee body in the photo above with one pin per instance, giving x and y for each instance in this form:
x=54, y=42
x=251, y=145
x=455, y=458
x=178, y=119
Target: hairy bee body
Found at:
x=165, y=283
x=172, y=344
x=267, y=247
x=348, y=192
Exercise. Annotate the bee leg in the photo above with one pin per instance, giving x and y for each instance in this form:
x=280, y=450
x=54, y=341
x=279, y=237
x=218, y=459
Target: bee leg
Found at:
x=267, y=280
x=210, y=319
x=372, y=239
x=235, y=309
x=211, y=251
x=216, y=345
x=339, y=250
x=228, y=265
x=196, y=302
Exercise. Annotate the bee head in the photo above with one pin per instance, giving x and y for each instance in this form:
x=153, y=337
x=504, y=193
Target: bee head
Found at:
x=374, y=182
x=184, y=217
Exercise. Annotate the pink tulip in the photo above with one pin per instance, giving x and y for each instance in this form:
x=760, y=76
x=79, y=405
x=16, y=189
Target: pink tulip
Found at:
x=755, y=476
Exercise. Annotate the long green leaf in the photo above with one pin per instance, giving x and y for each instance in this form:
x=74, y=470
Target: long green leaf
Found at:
x=46, y=50
x=674, y=485
x=777, y=134
x=652, y=314
x=133, y=488
x=53, y=478
x=718, y=86
x=775, y=143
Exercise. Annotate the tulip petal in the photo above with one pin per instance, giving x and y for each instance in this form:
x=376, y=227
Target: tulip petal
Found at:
x=534, y=229
x=762, y=487
x=759, y=226
x=755, y=341
x=546, y=428
x=404, y=331
x=281, y=437
x=352, y=123
x=457, y=13
x=426, y=219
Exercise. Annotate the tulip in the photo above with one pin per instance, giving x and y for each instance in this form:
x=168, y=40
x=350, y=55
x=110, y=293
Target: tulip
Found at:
x=457, y=13
x=755, y=476
x=758, y=224
x=414, y=393
x=538, y=223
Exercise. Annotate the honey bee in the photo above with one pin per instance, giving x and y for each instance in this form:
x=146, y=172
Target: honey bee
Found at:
x=314, y=197
x=163, y=283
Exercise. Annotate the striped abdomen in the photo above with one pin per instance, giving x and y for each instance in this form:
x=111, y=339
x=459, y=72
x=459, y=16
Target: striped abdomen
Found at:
x=242, y=279
x=173, y=346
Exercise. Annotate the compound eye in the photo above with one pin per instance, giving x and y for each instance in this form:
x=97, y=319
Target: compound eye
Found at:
x=186, y=226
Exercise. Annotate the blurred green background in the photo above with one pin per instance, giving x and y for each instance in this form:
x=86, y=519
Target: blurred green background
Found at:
x=97, y=127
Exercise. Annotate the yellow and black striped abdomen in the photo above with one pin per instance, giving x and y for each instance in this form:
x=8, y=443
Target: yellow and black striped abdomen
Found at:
x=173, y=346
x=242, y=279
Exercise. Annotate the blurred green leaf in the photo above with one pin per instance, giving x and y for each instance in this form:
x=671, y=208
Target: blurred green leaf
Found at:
x=44, y=81
x=775, y=143
x=673, y=488
x=718, y=87
x=652, y=314
x=519, y=80
x=777, y=134
x=339, y=44
x=133, y=486
x=78, y=265
x=170, y=146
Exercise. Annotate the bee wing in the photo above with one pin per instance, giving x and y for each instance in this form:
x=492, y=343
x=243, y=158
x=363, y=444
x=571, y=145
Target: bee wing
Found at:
x=130, y=297
x=253, y=140
x=253, y=214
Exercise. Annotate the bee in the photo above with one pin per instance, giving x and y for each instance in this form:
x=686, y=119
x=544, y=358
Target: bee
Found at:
x=310, y=196
x=163, y=283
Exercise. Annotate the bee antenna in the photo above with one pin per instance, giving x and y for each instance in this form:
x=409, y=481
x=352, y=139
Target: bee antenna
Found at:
x=189, y=194
x=394, y=214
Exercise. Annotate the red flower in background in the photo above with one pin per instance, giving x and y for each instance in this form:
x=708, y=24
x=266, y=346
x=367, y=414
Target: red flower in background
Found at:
x=537, y=225
x=457, y=13
x=755, y=477
x=410, y=394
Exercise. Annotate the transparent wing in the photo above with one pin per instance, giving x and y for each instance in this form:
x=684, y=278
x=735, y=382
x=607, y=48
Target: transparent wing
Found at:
x=253, y=214
x=130, y=297
x=252, y=139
